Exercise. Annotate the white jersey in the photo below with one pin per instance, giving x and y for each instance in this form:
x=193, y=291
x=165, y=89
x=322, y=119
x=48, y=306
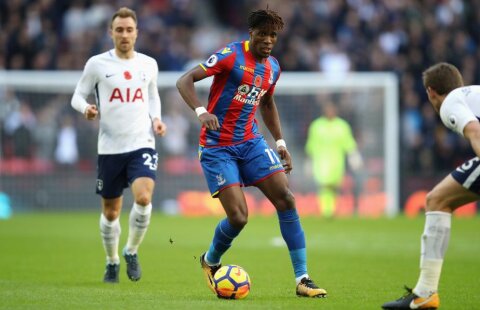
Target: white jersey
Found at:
x=127, y=99
x=461, y=106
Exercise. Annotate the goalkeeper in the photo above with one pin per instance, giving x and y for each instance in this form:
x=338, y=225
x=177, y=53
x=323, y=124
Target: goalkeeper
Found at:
x=329, y=142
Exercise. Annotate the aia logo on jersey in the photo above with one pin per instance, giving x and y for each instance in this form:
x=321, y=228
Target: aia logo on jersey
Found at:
x=126, y=95
x=127, y=75
x=258, y=81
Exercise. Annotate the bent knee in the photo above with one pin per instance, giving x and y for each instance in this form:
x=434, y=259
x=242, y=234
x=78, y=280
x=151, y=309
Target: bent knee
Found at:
x=286, y=201
x=238, y=220
x=435, y=201
x=143, y=199
x=111, y=214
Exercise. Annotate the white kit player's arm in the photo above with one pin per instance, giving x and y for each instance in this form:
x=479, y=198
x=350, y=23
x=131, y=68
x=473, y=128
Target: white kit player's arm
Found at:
x=455, y=113
x=472, y=133
x=154, y=104
x=84, y=87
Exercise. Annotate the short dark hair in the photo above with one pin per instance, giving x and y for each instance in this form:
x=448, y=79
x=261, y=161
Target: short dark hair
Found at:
x=442, y=78
x=124, y=12
x=261, y=18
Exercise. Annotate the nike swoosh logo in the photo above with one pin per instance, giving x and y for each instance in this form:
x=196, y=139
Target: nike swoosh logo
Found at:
x=414, y=305
x=109, y=75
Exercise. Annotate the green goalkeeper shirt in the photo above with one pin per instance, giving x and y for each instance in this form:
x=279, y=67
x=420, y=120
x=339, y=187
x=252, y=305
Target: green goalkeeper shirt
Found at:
x=329, y=141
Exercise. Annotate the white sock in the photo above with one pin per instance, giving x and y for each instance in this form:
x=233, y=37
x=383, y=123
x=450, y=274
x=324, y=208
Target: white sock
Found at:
x=298, y=279
x=110, y=232
x=138, y=224
x=433, y=246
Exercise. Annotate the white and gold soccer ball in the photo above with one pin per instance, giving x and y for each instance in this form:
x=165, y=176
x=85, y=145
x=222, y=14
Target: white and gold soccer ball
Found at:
x=231, y=282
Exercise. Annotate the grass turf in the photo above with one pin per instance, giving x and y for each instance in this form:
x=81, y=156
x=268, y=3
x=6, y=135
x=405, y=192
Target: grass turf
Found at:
x=56, y=261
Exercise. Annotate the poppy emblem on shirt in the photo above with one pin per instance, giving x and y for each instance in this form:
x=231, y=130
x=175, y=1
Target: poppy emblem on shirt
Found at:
x=127, y=75
x=258, y=81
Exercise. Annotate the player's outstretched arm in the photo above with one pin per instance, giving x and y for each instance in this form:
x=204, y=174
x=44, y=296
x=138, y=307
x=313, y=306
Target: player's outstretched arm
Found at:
x=472, y=133
x=186, y=88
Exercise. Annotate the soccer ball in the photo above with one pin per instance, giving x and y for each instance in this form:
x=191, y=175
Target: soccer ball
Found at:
x=231, y=282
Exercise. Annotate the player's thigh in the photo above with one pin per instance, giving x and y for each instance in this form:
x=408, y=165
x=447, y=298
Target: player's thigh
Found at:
x=234, y=203
x=276, y=189
x=141, y=174
x=220, y=169
x=449, y=195
x=142, y=190
x=111, y=175
x=259, y=162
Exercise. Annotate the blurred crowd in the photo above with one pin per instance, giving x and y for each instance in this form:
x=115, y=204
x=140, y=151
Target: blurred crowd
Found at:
x=331, y=36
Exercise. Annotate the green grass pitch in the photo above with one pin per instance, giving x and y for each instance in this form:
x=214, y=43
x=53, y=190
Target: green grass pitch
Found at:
x=56, y=261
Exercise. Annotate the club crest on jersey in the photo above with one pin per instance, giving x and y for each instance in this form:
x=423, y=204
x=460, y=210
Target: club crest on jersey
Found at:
x=220, y=179
x=258, y=81
x=143, y=76
x=99, y=184
x=243, y=89
x=270, y=79
x=211, y=61
x=127, y=75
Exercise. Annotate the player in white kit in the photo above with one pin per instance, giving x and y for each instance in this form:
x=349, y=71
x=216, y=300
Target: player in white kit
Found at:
x=124, y=83
x=459, y=109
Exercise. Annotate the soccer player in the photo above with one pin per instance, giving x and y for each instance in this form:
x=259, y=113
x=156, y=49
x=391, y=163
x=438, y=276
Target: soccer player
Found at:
x=233, y=153
x=125, y=86
x=458, y=109
x=329, y=142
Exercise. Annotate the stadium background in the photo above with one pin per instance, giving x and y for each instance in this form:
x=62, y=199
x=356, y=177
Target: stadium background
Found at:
x=41, y=135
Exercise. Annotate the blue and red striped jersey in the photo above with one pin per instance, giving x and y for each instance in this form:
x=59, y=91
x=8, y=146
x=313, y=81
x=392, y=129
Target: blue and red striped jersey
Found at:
x=238, y=85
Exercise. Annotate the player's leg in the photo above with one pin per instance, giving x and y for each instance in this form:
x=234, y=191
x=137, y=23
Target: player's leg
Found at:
x=140, y=214
x=327, y=198
x=138, y=222
x=277, y=191
x=235, y=206
x=446, y=197
x=329, y=176
x=261, y=167
x=221, y=173
x=110, y=232
x=110, y=185
x=141, y=172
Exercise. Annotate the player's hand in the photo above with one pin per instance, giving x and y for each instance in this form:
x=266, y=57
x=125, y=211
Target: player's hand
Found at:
x=91, y=112
x=159, y=127
x=210, y=121
x=286, y=158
